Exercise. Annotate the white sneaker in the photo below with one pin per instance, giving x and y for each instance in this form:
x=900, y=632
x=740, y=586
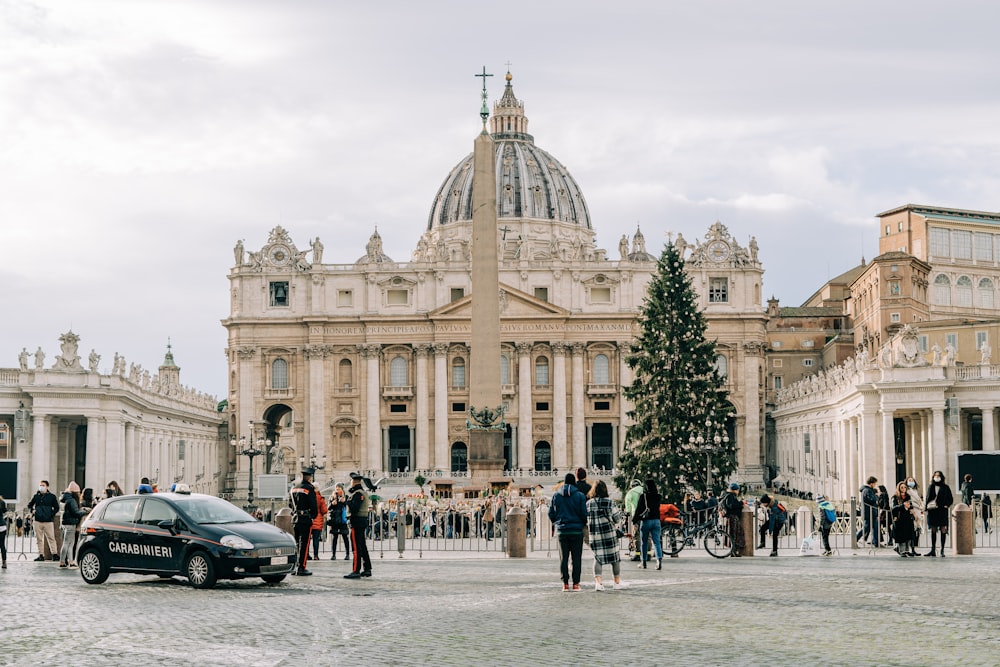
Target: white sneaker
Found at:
x=598, y=586
x=620, y=585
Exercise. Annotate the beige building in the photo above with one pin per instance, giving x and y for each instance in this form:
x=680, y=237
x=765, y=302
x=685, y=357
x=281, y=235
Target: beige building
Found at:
x=63, y=419
x=366, y=365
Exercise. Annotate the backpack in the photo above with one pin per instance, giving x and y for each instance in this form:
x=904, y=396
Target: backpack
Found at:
x=830, y=515
x=780, y=513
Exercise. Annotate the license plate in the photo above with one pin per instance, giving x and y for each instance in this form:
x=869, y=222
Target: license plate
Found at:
x=279, y=560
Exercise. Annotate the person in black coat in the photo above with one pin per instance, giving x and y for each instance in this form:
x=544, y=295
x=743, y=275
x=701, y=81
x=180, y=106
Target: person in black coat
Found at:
x=903, y=530
x=937, y=503
x=305, y=509
x=647, y=515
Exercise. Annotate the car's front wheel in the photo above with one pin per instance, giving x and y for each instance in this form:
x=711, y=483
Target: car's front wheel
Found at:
x=199, y=570
x=93, y=569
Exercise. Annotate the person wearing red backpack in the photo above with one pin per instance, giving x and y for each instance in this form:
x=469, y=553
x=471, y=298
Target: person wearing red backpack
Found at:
x=777, y=515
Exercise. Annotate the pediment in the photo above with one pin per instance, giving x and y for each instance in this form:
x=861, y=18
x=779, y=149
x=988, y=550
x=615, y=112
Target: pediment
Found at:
x=513, y=304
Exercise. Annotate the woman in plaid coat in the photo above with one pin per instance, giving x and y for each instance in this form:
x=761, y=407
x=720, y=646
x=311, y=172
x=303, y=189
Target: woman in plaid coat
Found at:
x=602, y=518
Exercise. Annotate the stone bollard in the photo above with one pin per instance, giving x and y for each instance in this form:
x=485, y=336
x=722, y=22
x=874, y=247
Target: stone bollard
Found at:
x=283, y=520
x=749, y=530
x=804, y=521
x=963, y=538
x=517, y=533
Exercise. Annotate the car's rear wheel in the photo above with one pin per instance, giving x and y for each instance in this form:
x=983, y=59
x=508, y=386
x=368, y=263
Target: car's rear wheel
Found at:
x=199, y=570
x=273, y=578
x=93, y=569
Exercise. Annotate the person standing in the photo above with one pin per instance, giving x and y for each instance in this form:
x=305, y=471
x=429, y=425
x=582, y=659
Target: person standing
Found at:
x=45, y=506
x=869, y=512
x=902, y=521
x=602, y=520
x=777, y=516
x=917, y=508
x=304, y=511
x=647, y=515
x=338, y=523
x=582, y=485
x=827, y=517
x=317, y=525
x=358, y=504
x=568, y=513
x=113, y=490
x=731, y=508
x=987, y=510
x=936, y=504
x=967, y=490
x=631, y=502
x=4, y=529
x=72, y=513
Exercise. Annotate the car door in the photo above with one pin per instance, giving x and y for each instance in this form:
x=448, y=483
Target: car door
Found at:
x=160, y=550
x=119, y=538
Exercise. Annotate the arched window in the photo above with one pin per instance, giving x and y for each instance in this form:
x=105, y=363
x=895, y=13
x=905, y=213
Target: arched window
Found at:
x=459, y=457
x=346, y=373
x=398, y=372
x=543, y=456
x=985, y=293
x=963, y=292
x=458, y=372
x=942, y=291
x=504, y=369
x=721, y=366
x=601, y=374
x=542, y=371
x=279, y=374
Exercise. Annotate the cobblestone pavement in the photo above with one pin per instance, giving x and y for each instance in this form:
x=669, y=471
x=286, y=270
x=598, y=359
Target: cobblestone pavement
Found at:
x=845, y=610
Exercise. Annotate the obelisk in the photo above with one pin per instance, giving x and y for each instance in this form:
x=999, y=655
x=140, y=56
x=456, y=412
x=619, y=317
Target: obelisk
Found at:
x=486, y=459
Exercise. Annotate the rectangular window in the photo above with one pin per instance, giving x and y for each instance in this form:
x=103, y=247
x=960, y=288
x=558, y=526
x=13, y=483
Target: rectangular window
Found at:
x=981, y=337
x=397, y=407
x=776, y=344
x=961, y=245
x=541, y=407
x=602, y=405
x=807, y=362
x=718, y=290
x=279, y=293
x=458, y=407
x=894, y=317
x=600, y=295
x=805, y=441
x=778, y=380
x=778, y=363
x=983, y=246
x=951, y=339
x=940, y=242
x=542, y=294
x=397, y=297
x=457, y=293
x=922, y=343
x=808, y=343
x=345, y=298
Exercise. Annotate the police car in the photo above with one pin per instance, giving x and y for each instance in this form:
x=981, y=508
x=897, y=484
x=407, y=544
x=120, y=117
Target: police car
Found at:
x=200, y=537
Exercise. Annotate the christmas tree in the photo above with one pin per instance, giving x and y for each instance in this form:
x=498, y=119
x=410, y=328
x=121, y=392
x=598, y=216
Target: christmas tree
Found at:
x=681, y=412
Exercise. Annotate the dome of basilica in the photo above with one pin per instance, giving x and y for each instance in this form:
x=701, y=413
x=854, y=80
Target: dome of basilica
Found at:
x=530, y=182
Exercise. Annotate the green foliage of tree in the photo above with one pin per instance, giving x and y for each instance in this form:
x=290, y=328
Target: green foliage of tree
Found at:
x=677, y=393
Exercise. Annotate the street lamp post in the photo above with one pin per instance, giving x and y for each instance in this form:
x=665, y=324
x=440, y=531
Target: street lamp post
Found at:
x=247, y=447
x=714, y=439
x=315, y=463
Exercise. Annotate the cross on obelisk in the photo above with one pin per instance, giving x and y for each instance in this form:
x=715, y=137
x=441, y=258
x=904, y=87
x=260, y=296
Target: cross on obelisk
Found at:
x=485, y=444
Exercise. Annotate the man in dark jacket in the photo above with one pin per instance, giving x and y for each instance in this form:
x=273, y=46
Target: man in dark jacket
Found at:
x=582, y=485
x=568, y=513
x=305, y=509
x=869, y=512
x=358, y=504
x=45, y=505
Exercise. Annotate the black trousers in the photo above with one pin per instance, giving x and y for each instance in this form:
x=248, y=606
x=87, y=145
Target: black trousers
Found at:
x=302, y=533
x=342, y=532
x=362, y=562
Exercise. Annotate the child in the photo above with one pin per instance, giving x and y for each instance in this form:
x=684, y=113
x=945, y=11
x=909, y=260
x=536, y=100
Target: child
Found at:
x=827, y=517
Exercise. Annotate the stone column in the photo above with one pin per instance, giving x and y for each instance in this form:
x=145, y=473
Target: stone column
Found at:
x=114, y=455
x=422, y=460
x=41, y=426
x=989, y=432
x=887, y=467
x=939, y=442
x=867, y=461
x=318, y=431
x=62, y=456
x=562, y=451
x=372, y=449
x=127, y=476
x=579, y=436
x=524, y=406
x=624, y=405
x=441, y=436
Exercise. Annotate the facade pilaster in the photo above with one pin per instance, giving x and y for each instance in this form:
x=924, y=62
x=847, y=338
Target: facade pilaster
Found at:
x=561, y=450
x=423, y=425
x=371, y=452
x=578, y=388
x=245, y=409
x=989, y=429
x=524, y=406
x=441, y=459
x=318, y=432
x=624, y=405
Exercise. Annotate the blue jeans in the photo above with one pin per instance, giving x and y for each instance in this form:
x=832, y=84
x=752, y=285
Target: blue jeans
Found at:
x=650, y=529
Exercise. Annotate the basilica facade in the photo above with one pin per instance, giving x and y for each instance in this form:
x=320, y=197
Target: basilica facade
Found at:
x=365, y=365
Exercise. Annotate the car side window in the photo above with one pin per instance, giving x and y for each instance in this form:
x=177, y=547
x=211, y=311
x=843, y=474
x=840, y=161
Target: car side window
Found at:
x=121, y=511
x=154, y=511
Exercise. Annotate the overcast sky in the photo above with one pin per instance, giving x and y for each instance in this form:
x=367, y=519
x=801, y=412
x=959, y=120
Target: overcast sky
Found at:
x=140, y=140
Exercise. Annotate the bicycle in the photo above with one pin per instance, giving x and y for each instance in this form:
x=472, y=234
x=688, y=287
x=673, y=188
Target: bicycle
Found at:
x=716, y=540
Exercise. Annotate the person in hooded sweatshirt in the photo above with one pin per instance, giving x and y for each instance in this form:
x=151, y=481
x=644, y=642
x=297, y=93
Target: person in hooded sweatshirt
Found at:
x=568, y=513
x=72, y=513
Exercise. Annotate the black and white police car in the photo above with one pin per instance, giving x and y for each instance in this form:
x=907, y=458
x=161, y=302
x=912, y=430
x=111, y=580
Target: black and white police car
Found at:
x=200, y=537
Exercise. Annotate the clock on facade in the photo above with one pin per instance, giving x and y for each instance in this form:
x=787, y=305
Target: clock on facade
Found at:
x=718, y=251
x=279, y=255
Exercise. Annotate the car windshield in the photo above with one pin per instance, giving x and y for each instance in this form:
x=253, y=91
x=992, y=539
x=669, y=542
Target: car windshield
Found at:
x=212, y=510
